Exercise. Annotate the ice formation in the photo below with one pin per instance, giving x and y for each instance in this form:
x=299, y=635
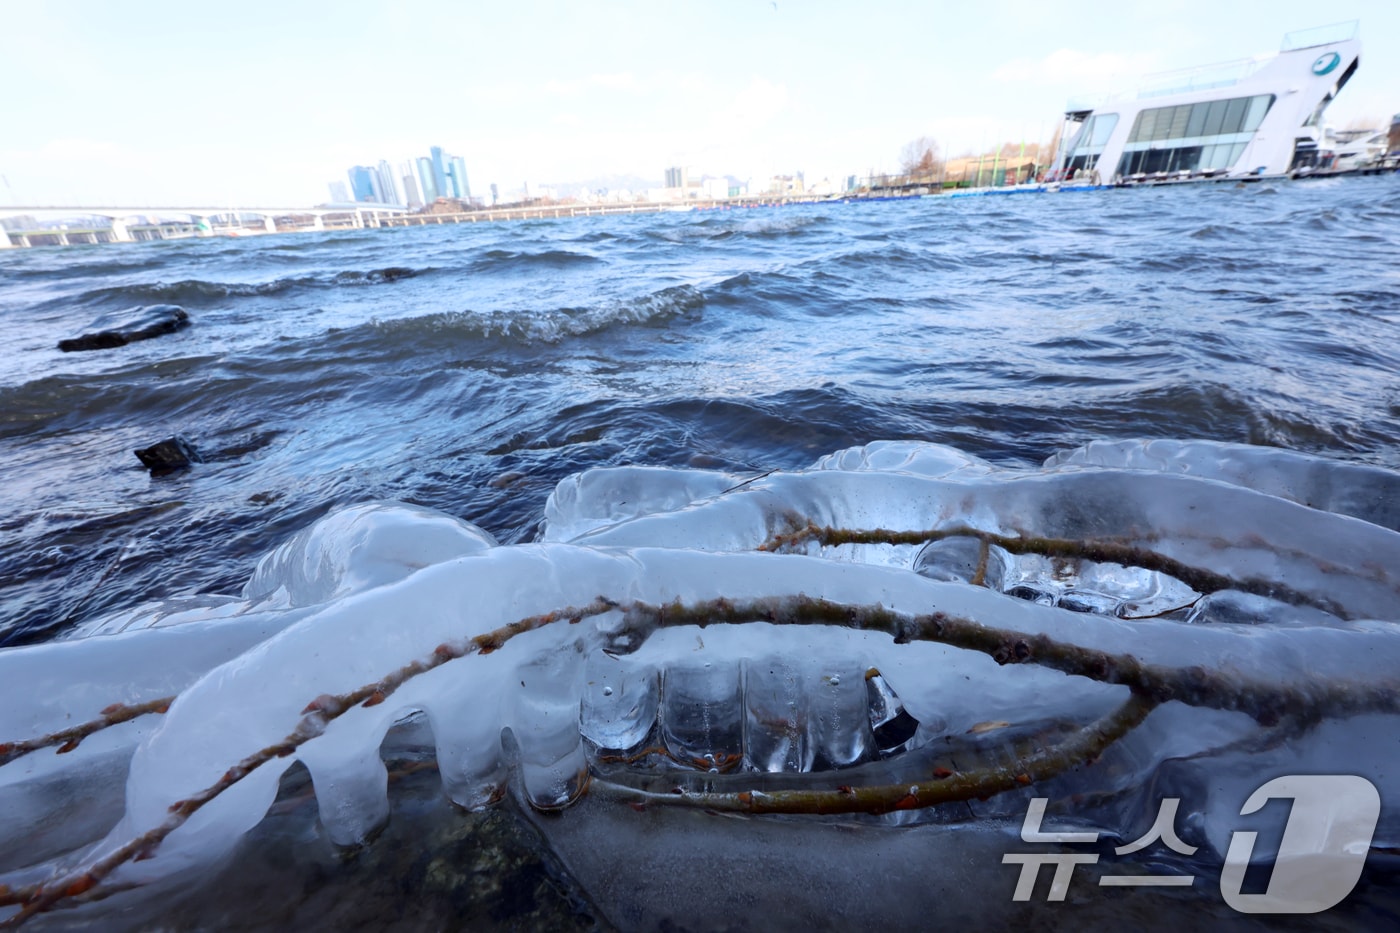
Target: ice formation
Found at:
x=1277, y=572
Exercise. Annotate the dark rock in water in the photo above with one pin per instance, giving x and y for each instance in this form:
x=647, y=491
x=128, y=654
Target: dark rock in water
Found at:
x=171, y=454
x=118, y=330
x=374, y=276
x=391, y=274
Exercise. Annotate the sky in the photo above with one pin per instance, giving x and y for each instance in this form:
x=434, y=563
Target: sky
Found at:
x=249, y=102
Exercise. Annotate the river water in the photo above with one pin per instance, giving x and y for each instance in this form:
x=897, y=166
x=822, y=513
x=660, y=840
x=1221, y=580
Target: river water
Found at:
x=749, y=340
x=474, y=368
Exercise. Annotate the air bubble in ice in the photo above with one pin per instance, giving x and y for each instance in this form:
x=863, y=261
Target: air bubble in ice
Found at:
x=958, y=560
x=620, y=716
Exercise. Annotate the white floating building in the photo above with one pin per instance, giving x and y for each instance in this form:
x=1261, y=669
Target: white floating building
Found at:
x=1255, y=117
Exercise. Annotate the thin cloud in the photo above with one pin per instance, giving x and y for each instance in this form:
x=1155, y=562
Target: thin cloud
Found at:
x=758, y=103
x=620, y=81
x=1066, y=65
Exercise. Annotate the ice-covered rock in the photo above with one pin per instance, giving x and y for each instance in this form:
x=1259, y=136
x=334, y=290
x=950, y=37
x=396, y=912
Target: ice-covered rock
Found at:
x=361, y=547
x=1222, y=582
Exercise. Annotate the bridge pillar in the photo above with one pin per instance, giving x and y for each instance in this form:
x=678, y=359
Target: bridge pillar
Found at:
x=62, y=237
x=269, y=224
x=120, y=234
x=319, y=222
x=5, y=242
x=359, y=221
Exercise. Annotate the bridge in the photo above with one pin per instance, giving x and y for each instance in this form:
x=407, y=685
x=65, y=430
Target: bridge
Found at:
x=129, y=224
x=64, y=226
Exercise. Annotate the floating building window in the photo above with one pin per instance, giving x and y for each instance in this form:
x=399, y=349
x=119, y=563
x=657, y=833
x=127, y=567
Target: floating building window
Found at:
x=1211, y=118
x=1192, y=158
x=1090, y=141
x=1200, y=137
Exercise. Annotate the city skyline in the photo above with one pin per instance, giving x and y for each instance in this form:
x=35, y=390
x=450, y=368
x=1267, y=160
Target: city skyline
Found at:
x=419, y=180
x=161, y=102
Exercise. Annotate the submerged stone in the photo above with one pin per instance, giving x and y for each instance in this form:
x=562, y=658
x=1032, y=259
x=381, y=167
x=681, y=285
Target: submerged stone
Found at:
x=173, y=453
x=391, y=274
x=118, y=330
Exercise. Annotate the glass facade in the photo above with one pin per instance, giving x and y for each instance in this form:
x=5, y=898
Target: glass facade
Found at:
x=439, y=173
x=410, y=185
x=388, y=186
x=1192, y=137
x=1089, y=142
x=459, y=171
x=425, y=178
x=361, y=185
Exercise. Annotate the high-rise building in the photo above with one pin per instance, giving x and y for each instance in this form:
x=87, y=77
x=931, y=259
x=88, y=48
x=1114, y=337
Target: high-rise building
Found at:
x=414, y=183
x=410, y=185
x=389, y=187
x=676, y=177
x=459, y=175
x=439, y=172
x=361, y=183
x=426, y=179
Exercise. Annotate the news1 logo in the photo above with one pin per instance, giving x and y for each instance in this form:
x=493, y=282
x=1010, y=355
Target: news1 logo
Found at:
x=1320, y=857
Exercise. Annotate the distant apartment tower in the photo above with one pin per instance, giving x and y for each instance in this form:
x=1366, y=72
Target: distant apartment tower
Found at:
x=339, y=193
x=426, y=179
x=461, y=188
x=410, y=185
x=387, y=183
x=361, y=183
x=676, y=177
x=451, y=189
x=376, y=185
x=439, y=172
x=438, y=175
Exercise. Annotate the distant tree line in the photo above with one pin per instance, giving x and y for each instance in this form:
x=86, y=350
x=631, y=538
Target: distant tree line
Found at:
x=919, y=156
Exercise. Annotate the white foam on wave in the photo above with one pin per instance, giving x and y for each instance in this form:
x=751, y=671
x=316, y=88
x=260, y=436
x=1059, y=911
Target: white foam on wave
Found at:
x=536, y=325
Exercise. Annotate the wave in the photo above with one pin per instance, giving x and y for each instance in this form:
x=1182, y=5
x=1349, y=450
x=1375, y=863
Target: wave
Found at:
x=768, y=225
x=168, y=389
x=195, y=292
x=594, y=236
x=84, y=398
x=506, y=260
x=66, y=271
x=539, y=326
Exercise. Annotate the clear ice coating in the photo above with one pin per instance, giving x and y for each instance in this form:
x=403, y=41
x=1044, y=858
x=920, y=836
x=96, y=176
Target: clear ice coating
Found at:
x=619, y=702
x=729, y=711
x=1076, y=584
x=1310, y=546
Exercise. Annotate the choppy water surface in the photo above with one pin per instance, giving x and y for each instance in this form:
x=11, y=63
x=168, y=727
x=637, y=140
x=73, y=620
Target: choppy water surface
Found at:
x=519, y=353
